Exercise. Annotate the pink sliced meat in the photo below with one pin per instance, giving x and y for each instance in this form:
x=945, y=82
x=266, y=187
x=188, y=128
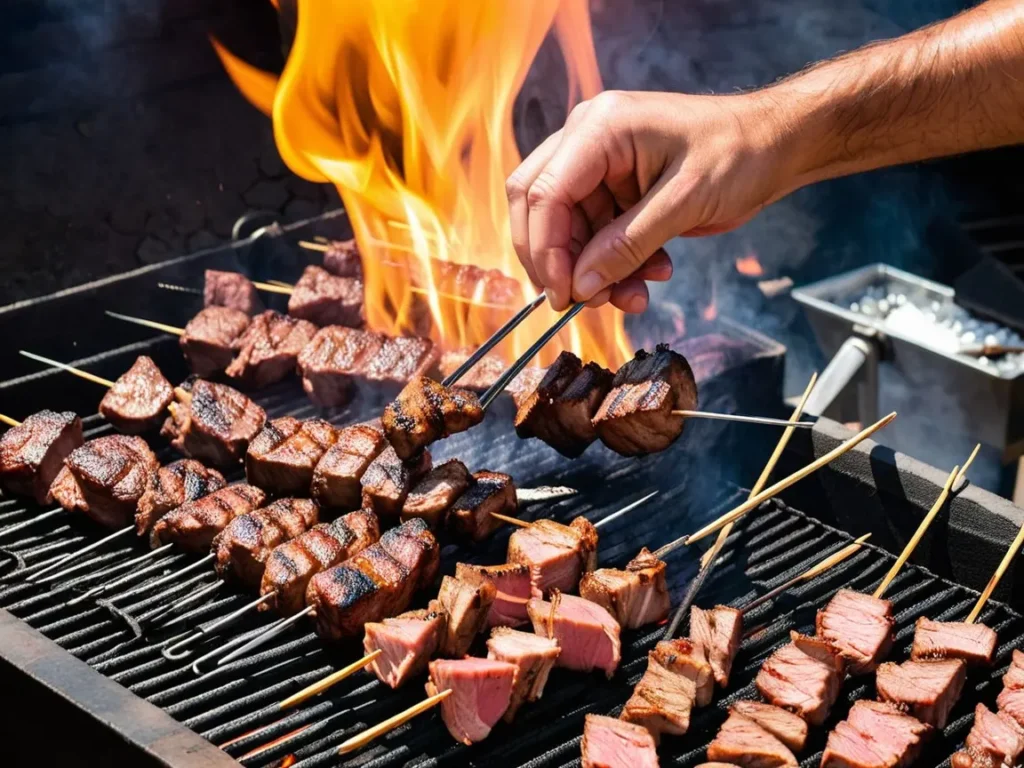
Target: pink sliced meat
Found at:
x=788, y=728
x=802, y=676
x=611, y=743
x=1014, y=677
x=677, y=677
x=875, y=735
x=481, y=693
x=974, y=643
x=635, y=596
x=994, y=738
x=743, y=742
x=717, y=632
x=556, y=554
x=587, y=634
x=860, y=626
x=926, y=689
x=534, y=657
x=467, y=605
x=406, y=643
x=512, y=591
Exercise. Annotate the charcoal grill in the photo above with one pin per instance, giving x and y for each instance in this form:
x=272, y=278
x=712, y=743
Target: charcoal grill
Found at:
x=118, y=701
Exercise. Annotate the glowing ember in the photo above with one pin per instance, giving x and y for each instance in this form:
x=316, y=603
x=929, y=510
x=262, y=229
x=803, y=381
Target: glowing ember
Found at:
x=289, y=761
x=749, y=265
x=407, y=108
x=711, y=310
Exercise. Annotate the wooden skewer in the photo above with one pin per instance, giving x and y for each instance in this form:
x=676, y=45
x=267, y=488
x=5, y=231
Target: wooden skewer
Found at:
x=311, y=246
x=322, y=685
x=281, y=283
x=69, y=368
x=272, y=288
x=9, y=421
x=994, y=581
x=391, y=723
x=790, y=424
x=148, y=323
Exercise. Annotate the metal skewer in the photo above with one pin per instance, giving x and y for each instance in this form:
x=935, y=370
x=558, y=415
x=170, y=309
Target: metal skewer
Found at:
x=69, y=368
x=147, y=323
x=744, y=419
x=37, y=576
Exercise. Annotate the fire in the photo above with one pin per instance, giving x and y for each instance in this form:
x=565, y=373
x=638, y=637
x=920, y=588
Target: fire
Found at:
x=406, y=107
x=749, y=265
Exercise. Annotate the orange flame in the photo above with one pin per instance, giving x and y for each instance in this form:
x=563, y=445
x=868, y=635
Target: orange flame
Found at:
x=749, y=265
x=407, y=108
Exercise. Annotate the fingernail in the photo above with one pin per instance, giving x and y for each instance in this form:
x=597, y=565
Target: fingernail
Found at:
x=588, y=284
x=550, y=295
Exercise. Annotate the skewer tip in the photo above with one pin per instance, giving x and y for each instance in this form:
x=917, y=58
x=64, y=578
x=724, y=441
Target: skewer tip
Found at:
x=335, y=677
x=511, y=520
x=364, y=738
x=9, y=421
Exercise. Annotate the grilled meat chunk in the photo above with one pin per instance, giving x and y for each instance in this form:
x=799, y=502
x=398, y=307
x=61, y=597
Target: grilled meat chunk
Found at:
x=611, y=743
x=556, y=554
x=378, y=582
x=342, y=258
x=467, y=605
x=926, y=689
x=470, y=516
x=282, y=457
x=426, y=411
x=105, y=478
x=138, y=399
x=231, y=289
x=780, y=723
x=512, y=591
x=718, y=633
x=677, y=677
x=573, y=410
x=326, y=299
x=269, y=349
x=875, y=735
x=586, y=632
x=212, y=422
x=860, y=627
x=1014, y=677
x=171, y=486
x=994, y=741
x=406, y=642
x=635, y=596
x=534, y=657
x=194, y=525
x=1011, y=703
x=337, y=476
x=974, y=643
x=535, y=413
x=743, y=742
x=210, y=339
x=246, y=542
x=432, y=496
x=387, y=481
x=635, y=417
x=484, y=374
x=481, y=693
x=291, y=565
x=802, y=676
x=401, y=359
x=32, y=453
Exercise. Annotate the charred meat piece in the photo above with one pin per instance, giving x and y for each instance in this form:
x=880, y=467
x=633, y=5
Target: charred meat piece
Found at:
x=974, y=643
x=926, y=689
x=534, y=657
x=194, y=525
x=573, y=410
x=426, y=411
x=246, y=542
x=780, y=723
x=326, y=299
x=337, y=476
x=387, y=481
x=636, y=415
x=212, y=422
x=467, y=605
x=470, y=516
x=269, y=349
x=556, y=554
x=635, y=596
x=378, y=582
x=512, y=591
x=231, y=289
x=342, y=258
x=611, y=743
x=432, y=496
x=481, y=376
x=401, y=359
x=406, y=642
x=32, y=453
x=171, y=486
x=535, y=413
x=718, y=633
x=677, y=677
x=282, y=457
x=994, y=741
x=291, y=565
x=210, y=339
x=802, y=676
x=138, y=399
x=329, y=362
x=875, y=734
x=481, y=693
x=860, y=626
x=586, y=632
x=741, y=741
x=105, y=478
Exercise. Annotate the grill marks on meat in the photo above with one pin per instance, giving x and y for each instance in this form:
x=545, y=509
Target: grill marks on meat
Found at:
x=173, y=485
x=512, y=585
x=556, y=554
x=243, y=546
x=860, y=627
x=326, y=299
x=741, y=741
x=210, y=339
x=467, y=605
x=282, y=457
x=33, y=453
x=388, y=481
x=677, y=677
x=342, y=258
x=875, y=735
x=291, y=565
x=535, y=412
x=231, y=289
x=481, y=376
x=926, y=689
x=481, y=693
x=194, y=525
x=212, y=422
x=406, y=642
x=635, y=417
x=269, y=349
x=138, y=399
x=432, y=496
x=994, y=740
x=718, y=633
x=611, y=743
x=802, y=676
x=586, y=632
x=426, y=411
x=974, y=643
x=635, y=596
x=783, y=725
x=105, y=478
x=337, y=476
x=534, y=657
x=470, y=516
x=572, y=430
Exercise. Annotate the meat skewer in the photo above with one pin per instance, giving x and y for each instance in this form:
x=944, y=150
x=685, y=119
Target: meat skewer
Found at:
x=32, y=452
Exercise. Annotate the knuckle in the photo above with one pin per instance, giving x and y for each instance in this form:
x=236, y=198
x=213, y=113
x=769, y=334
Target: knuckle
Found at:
x=543, y=190
x=608, y=102
x=515, y=189
x=627, y=251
